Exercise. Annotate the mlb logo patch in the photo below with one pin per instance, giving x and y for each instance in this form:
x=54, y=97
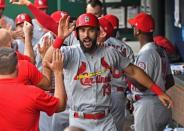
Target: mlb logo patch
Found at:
x=86, y=19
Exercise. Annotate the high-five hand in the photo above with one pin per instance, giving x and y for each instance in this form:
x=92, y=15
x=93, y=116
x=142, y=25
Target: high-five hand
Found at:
x=64, y=29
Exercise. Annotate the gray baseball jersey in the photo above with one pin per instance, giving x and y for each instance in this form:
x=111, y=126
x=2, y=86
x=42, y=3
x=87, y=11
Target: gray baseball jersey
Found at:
x=89, y=78
x=147, y=111
x=20, y=45
x=154, y=61
x=124, y=50
x=9, y=21
x=70, y=40
x=37, y=32
x=118, y=81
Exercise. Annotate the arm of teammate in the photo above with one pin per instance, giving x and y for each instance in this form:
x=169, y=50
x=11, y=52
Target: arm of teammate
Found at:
x=45, y=20
x=57, y=67
x=140, y=76
x=63, y=31
x=28, y=48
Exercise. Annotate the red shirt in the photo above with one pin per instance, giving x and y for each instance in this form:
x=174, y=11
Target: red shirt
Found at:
x=22, y=57
x=20, y=105
x=28, y=73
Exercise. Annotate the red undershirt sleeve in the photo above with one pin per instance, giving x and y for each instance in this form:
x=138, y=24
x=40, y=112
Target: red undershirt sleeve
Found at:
x=45, y=20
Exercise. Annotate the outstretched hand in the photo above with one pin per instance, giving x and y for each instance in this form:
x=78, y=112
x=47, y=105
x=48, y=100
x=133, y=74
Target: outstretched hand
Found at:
x=28, y=28
x=57, y=62
x=64, y=28
x=47, y=42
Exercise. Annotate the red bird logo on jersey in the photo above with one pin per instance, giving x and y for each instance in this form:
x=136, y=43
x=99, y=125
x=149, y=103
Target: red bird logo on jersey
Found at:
x=105, y=64
x=81, y=70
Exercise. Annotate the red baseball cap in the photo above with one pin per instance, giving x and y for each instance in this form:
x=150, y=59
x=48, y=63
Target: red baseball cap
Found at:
x=21, y=18
x=113, y=20
x=143, y=22
x=106, y=25
x=165, y=43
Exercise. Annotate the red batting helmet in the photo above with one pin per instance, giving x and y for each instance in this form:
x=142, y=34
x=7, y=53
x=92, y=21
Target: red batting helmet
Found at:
x=57, y=15
x=106, y=25
x=87, y=19
x=41, y=4
x=21, y=18
x=2, y=4
x=113, y=20
x=143, y=22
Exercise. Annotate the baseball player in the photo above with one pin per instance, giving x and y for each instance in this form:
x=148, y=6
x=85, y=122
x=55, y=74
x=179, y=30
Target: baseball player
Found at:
x=19, y=21
x=5, y=22
x=115, y=23
x=149, y=113
x=59, y=121
x=87, y=69
x=118, y=81
x=38, y=30
x=49, y=22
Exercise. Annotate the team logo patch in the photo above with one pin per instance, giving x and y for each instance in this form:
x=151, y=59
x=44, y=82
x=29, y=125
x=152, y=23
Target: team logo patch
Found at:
x=142, y=65
x=86, y=19
x=22, y=17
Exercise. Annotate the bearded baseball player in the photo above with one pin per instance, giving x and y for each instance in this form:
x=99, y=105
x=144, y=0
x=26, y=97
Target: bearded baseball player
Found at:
x=149, y=113
x=88, y=71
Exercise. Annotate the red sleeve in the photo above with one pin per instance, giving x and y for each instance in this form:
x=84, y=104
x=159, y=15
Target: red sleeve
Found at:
x=23, y=57
x=46, y=103
x=28, y=73
x=45, y=20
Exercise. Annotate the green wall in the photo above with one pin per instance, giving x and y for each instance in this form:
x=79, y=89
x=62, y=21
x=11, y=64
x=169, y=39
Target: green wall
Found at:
x=13, y=10
x=73, y=7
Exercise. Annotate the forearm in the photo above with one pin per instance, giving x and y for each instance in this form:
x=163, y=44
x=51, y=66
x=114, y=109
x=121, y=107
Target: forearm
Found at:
x=139, y=75
x=45, y=20
x=48, y=57
x=28, y=48
x=60, y=92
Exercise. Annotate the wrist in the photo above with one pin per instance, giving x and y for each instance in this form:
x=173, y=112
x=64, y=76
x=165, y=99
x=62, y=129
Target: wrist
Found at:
x=28, y=35
x=58, y=42
x=58, y=73
x=156, y=89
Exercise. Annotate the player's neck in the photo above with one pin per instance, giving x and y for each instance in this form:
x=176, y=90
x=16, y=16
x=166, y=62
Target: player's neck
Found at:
x=144, y=40
x=12, y=75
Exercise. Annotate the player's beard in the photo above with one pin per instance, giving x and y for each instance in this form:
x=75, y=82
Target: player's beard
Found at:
x=91, y=49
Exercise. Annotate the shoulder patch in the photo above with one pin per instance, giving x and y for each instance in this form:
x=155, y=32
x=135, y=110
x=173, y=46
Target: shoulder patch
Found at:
x=142, y=65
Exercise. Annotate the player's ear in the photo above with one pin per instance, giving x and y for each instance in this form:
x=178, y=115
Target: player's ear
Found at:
x=137, y=32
